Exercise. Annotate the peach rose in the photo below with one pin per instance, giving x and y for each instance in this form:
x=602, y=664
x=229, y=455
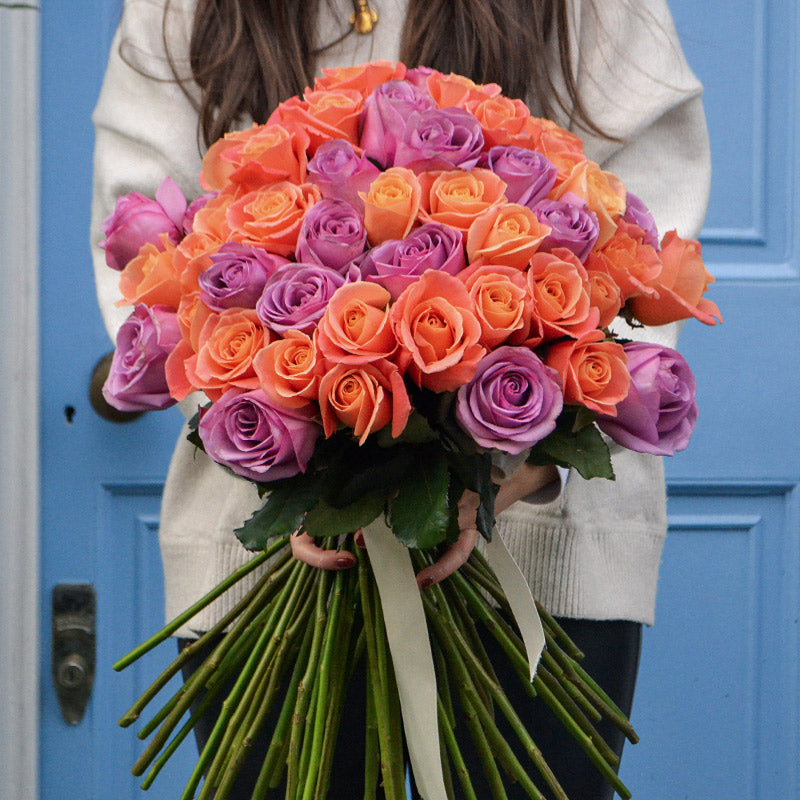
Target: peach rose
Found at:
x=439, y=335
x=271, y=217
x=456, y=197
x=502, y=119
x=256, y=157
x=632, y=265
x=323, y=115
x=501, y=301
x=602, y=191
x=356, y=327
x=559, y=286
x=363, y=78
x=289, y=370
x=194, y=257
x=593, y=372
x=365, y=398
x=604, y=295
x=227, y=345
x=391, y=205
x=680, y=286
x=192, y=316
x=150, y=277
x=507, y=234
x=457, y=91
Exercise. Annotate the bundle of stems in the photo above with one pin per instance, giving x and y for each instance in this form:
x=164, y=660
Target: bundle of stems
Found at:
x=289, y=649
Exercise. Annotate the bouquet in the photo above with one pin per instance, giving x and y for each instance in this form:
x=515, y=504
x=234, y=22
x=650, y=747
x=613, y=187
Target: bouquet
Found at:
x=398, y=287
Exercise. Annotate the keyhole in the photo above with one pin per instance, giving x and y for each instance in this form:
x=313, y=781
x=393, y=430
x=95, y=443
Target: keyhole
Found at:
x=69, y=414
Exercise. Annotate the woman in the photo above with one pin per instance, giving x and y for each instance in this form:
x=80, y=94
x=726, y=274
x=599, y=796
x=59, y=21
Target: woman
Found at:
x=610, y=70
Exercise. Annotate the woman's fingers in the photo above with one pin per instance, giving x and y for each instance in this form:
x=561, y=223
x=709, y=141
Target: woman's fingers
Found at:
x=305, y=549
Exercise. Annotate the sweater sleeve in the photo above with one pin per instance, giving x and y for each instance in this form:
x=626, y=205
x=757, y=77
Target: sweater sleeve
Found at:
x=145, y=127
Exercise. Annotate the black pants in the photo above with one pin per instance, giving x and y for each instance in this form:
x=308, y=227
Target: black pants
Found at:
x=611, y=657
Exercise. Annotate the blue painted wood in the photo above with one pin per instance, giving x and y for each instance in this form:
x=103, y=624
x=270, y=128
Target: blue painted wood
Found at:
x=717, y=705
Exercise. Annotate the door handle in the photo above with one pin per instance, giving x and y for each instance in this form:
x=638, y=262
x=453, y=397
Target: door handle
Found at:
x=73, y=647
x=101, y=406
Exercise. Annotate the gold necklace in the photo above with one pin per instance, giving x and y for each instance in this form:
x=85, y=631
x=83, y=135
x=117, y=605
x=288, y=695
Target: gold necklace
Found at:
x=363, y=19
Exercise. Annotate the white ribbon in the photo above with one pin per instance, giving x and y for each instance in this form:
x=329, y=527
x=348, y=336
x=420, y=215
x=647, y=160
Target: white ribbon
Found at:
x=407, y=633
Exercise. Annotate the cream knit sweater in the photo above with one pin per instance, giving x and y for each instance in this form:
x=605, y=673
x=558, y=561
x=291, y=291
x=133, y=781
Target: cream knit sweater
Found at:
x=594, y=551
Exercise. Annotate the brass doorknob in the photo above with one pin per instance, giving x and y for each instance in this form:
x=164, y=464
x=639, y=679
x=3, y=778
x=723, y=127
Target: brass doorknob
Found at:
x=101, y=406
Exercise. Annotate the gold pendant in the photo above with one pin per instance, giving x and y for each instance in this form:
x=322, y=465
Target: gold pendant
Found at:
x=365, y=19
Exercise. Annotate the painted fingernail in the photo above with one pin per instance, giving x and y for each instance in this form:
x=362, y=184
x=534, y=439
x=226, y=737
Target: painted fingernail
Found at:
x=344, y=562
x=426, y=582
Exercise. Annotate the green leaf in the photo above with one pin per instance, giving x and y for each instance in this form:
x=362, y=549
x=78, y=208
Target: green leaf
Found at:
x=325, y=520
x=282, y=512
x=487, y=491
x=419, y=513
x=584, y=449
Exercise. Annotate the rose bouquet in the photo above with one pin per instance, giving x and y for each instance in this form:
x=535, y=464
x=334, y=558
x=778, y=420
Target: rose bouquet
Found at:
x=397, y=286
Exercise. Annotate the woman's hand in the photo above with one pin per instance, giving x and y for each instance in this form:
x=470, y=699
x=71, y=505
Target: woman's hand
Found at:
x=524, y=481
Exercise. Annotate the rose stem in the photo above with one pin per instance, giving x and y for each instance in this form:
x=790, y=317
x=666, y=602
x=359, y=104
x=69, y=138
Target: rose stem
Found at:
x=443, y=682
x=213, y=752
x=388, y=748
x=250, y=603
x=467, y=666
x=228, y=761
x=344, y=658
x=389, y=684
x=274, y=760
x=195, y=608
x=305, y=687
x=372, y=753
x=332, y=632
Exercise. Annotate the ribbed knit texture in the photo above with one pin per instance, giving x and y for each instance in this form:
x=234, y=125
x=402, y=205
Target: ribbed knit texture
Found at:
x=595, y=551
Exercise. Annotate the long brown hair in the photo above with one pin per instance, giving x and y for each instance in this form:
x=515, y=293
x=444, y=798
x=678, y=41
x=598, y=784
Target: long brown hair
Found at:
x=249, y=55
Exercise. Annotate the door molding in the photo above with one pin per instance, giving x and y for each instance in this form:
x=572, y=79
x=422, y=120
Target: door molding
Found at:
x=19, y=399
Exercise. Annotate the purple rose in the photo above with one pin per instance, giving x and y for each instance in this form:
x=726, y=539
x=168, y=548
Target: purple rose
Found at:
x=444, y=138
x=384, y=118
x=340, y=174
x=138, y=220
x=199, y=202
x=332, y=234
x=572, y=225
x=512, y=402
x=296, y=296
x=136, y=380
x=257, y=438
x=660, y=411
x=637, y=213
x=419, y=76
x=397, y=263
x=237, y=276
x=529, y=175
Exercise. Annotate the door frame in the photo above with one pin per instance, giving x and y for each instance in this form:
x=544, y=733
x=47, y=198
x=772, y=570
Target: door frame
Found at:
x=19, y=399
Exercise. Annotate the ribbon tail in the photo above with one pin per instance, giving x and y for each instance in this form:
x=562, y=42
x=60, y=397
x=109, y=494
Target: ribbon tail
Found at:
x=519, y=597
x=407, y=633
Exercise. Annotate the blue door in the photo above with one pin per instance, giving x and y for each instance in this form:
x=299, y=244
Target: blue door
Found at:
x=717, y=707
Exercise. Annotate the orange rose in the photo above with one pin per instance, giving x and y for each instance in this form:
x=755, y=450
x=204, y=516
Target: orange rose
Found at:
x=365, y=398
x=632, y=265
x=439, y=335
x=227, y=345
x=289, y=370
x=456, y=197
x=602, y=191
x=501, y=301
x=355, y=327
x=680, y=286
x=457, y=91
x=391, y=205
x=192, y=257
x=192, y=316
x=324, y=115
x=559, y=286
x=271, y=217
x=150, y=277
x=506, y=234
x=502, y=119
x=363, y=78
x=593, y=372
x=256, y=157
x=605, y=296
